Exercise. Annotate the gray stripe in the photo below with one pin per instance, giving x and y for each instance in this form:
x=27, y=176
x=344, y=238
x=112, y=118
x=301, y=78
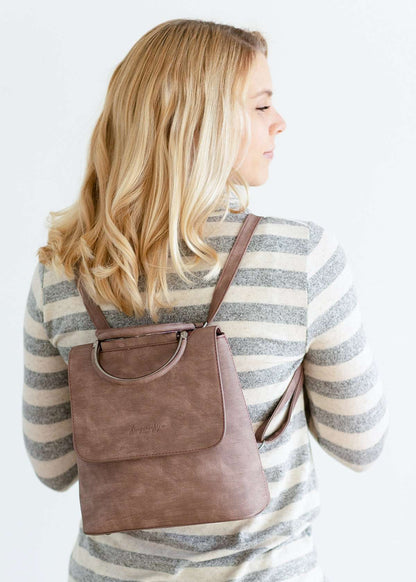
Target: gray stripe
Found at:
x=256, y=313
x=341, y=353
x=59, y=291
x=261, y=312
x=46, y=414
x=292, y=494
x=250, y=277
x=241, y=543
x=244, y=346
x=337, y=313
x=297, y=457
x=38, y=347
x=45, y=380
x=238, y=541
x=344, y=388
x=348, y=423
x=362, y=457
x=62, y=482
x=258, y=242
x=279, y=220
x=315, y=234
x=280, y=373
x=50, y=450
x=69, y=323
x=277, y=244
x=81, y=574
x=32, y=307
x=327, y=273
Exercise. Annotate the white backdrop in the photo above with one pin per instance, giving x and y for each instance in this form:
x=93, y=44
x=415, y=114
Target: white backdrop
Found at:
x=344, y=76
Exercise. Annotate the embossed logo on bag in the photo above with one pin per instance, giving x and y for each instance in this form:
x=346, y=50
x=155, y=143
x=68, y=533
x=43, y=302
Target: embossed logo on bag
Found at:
x=146, y=428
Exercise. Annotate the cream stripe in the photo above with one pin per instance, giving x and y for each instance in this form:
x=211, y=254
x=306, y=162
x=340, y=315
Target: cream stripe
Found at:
x=54, y=467
x=263, y=228
x=262, y=329
x=257, y=362
x=293, y=510
x=33, y=328
x=344, y=330
x=242, y=294
x=44, y=364
x=285, y=230
x=263, y=394
x=273, y=457
x=128, y=543
x=273, y=260
x=349, y=406
x=353, y=466
x=342, y=370
x=291, y=477
x=38, y=397
x=36, y=286
x=321, y=253
x=355, y=441
x=71, y=339
x=103, y=568
x=45, y=433
x=330, y=295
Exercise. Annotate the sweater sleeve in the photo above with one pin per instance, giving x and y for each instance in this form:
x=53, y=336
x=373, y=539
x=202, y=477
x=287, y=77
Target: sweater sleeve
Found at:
x=46, y=422
x=344, y=401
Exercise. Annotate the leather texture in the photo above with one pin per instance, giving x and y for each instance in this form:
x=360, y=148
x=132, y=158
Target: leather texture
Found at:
x=161, y=429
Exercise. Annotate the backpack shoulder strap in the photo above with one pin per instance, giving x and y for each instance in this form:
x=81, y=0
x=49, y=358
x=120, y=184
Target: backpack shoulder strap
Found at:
x=94, y=310
x=232, y=263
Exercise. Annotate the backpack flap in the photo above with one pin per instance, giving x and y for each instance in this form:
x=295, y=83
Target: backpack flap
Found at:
x=178, y=412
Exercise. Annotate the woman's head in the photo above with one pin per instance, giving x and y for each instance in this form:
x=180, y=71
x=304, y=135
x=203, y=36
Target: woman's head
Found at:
x=180, y=103
x=177, y=134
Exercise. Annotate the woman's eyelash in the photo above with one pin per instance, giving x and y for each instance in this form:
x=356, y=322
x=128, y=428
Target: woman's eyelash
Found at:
x=263, y=108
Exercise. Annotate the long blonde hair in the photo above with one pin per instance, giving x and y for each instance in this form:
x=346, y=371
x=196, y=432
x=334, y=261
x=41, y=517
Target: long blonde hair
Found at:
x=161, y=160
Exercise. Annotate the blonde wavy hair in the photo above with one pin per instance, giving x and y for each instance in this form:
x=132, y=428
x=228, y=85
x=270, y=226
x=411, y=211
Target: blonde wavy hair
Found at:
x=161, y=160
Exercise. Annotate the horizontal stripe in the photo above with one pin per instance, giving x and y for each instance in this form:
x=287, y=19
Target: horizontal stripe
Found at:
x=362, y=457
x=350, y=423
x=44, y=380
x=62, y=482
x=49, y=450
x=43, y=433
x=45, y=397
x=356, y=441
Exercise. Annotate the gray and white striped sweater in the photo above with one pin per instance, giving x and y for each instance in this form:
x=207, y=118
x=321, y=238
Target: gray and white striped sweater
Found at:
x=293, y=297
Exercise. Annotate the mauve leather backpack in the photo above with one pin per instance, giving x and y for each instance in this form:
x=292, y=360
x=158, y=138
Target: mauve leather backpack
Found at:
x=161, y=429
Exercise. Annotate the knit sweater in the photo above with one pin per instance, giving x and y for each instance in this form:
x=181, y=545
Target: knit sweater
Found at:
x=292, y=298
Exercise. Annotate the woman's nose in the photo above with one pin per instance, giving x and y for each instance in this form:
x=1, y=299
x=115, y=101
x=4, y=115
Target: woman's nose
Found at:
x=278, y=126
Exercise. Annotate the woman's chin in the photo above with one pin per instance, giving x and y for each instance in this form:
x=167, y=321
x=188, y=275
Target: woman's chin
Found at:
x=259, y=180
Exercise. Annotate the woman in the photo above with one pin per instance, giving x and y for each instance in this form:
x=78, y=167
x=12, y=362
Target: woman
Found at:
x=187, y=121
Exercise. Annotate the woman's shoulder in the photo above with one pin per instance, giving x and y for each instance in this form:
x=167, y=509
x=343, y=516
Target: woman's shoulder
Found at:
x=315, y=233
